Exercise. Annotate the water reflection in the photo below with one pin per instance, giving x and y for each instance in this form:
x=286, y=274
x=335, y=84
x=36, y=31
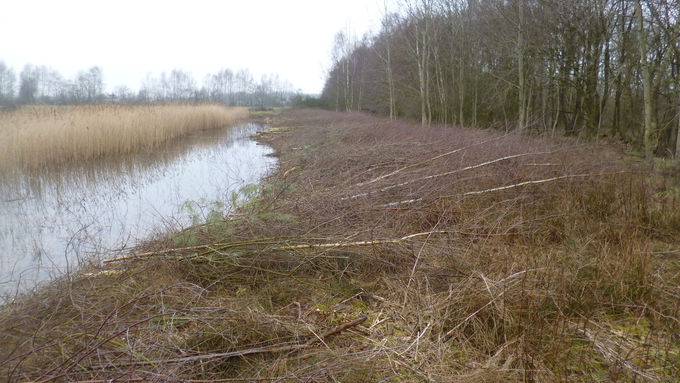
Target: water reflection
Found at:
x=50, y=221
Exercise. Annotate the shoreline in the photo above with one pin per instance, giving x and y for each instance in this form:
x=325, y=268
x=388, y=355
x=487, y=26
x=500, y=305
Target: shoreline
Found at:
x=96, y=210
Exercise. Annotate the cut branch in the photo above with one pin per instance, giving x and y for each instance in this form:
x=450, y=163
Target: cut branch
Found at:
x=425, y=162
x=535, y=182
x=214, y=247
x=471, y=167
x=221, y=246
x=506, y=187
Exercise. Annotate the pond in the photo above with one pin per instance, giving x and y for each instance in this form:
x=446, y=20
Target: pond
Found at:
x=53, y=221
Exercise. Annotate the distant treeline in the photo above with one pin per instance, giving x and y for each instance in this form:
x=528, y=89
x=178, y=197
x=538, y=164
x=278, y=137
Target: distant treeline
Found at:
x=580, y=67
x=42, y=85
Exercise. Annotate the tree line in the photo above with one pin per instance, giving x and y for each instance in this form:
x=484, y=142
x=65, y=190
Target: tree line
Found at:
x=591, y=68
x=43, y=85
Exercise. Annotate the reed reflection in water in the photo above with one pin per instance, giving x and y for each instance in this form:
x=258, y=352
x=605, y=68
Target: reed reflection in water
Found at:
x=53, y=220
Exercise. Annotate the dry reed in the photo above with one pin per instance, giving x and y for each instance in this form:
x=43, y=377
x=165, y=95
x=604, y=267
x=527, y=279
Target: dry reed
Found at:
x=35, y=137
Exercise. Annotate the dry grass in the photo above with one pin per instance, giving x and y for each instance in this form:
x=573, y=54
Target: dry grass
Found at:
x=35, y=137
x=475, y=256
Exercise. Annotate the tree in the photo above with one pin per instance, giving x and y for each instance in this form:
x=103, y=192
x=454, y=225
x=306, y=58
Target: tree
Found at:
x=28, y=86
x=181, y=84
x=90, y=85
x=649, y=126
x=122, y=94
x=418, y=23
x=7, y=80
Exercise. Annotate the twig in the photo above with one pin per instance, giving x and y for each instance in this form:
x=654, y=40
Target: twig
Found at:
x=506, y=187
x=213, y=247
x=354, y=244
x=449, y=334
x=90, y=351
x=224, y=245
x=612, y=356
x=183, y=381
x=471, y=167
x=421, y=163
x=535, y=182
x=278, y=348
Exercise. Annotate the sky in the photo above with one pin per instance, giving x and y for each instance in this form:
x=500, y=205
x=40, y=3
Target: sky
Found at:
x=129, y=39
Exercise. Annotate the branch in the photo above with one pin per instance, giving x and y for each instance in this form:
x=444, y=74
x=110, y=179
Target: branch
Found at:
x=535, y=182
x=462, y=169
x=213, y=247
x=282, y=347
x=224, y=245
x=421, y=163
x=526, y=183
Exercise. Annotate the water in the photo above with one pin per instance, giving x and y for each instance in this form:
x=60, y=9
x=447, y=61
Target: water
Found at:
x=52, y=222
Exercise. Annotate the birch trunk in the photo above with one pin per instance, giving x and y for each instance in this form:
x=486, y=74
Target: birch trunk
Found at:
x=390, y=82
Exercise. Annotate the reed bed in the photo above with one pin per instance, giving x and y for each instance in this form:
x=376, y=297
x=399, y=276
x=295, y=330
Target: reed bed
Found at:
x=37, y=137
x=385, y=251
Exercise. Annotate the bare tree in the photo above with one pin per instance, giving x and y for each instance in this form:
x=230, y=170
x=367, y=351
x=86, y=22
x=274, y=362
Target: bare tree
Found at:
x=7, y=80
x=181, y=84
x=28, y=86
x=90, y=85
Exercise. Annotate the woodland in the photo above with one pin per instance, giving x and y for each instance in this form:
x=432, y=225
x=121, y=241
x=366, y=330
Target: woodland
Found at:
x=588, y=68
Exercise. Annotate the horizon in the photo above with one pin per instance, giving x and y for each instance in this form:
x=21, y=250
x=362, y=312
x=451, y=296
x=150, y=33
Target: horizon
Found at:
x=131, y=41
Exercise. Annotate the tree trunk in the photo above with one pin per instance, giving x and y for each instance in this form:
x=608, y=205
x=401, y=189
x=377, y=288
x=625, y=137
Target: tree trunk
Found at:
x=605, y=94
x=426, y=65
x=441, y=88
x=421, y=84
x=390, y=82
x=461, y=92
x=421, y=58
x=475, y=101
x=626, y=27
x=522, y=101
x=348, y=87
x=646, y=82
x=677, y=130
x=337, y=93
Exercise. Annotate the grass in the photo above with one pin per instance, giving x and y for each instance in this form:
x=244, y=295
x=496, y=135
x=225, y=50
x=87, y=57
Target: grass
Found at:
x=386, y=251
x=38, y=137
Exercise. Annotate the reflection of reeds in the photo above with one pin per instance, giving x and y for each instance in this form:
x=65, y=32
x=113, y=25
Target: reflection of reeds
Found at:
x=117, y=170
x=38, y=136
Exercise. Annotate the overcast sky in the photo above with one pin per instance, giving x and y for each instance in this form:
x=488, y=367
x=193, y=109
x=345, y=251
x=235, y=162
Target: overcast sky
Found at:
x=130, y=38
